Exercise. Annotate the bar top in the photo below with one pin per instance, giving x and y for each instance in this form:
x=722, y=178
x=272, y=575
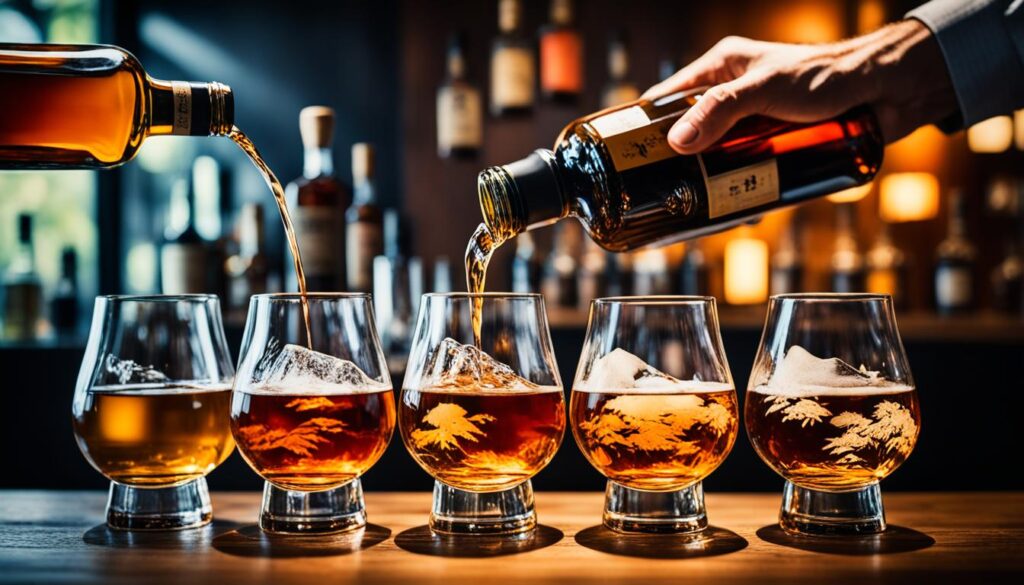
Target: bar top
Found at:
x=51, y=536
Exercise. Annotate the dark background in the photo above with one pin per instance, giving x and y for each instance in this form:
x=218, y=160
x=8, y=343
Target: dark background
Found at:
x=378, y=63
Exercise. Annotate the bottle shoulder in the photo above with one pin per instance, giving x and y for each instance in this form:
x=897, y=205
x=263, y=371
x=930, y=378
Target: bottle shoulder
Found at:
x=322, y=190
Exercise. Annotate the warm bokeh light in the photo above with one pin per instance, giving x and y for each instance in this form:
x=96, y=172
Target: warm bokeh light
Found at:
x=908, y=197
x=851, y=195
x=746, y=271
x=803, y=21
x=992, y=135
x=1018, y=129
x=870, y=15
x=922, y=150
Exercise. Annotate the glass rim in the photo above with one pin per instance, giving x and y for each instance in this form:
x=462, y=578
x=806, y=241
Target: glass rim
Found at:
x=154, y=298
x=831, y=297
x=311, y=296
x=484, y=295
x=656, y=300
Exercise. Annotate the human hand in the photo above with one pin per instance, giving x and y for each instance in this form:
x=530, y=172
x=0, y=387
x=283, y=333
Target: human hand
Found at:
x=898, y=70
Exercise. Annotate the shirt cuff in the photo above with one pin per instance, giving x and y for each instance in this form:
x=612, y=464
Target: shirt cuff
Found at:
x=980, y=54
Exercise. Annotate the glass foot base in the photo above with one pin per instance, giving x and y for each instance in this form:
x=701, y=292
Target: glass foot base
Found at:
x=632, y=511
x=171, y=508
x=324, y=512
x=810, y=512
x=455, y=511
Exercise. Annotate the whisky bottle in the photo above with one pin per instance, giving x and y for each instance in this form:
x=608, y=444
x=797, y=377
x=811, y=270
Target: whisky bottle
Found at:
x=23, y=289
x=619, y=89
x=365, y=222
x=887, y=269
x=513, y=73
x=246, y=270
x=955, y=263
x=651, y=273
x=526, y=266
x=847, y=263
x=787, y=272
x=64, y=305
x=592, y=276
x=1008, y=281
x=558, y=280
x=183, y=255
x=89, y=106
x=694, y=271
x=317, y=202
x=459, y=109
x=561, y=55
x=616, y=172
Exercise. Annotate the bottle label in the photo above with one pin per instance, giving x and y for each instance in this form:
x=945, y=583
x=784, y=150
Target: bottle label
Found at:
x=319, y=231
x=459, y=118
x=512, y=75
x=561, y=57
x=182, y=92
x=746, y=187
x=953, y=286
x=364, y=241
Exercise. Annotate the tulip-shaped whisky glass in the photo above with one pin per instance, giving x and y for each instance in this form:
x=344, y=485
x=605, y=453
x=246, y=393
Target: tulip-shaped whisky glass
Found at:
x=654, y=409
x=312, y=409
x=832, y=408
x=482, y=419
x=151, y=404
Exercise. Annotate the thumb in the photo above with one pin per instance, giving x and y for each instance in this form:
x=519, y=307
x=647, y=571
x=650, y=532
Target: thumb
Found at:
x=717, y=110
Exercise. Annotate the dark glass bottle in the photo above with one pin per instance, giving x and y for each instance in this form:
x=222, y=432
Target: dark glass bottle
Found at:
x=615, y=171
x=787, y=271
x=184, y=254
x=64, y=305
x=561, y=55
x=23, y=289
x=955, y=261
x=693, y=272
x=92, y=106
x=1008, y=281
x=526, y=266
x=459, y=109
x=364, y=230
x=513, y=69
x=558, y=282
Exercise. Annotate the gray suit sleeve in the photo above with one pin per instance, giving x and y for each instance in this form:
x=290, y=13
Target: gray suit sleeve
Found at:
x=983, y=44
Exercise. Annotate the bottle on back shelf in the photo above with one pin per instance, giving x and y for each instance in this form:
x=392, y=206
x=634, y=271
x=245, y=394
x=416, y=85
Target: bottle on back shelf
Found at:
x=592, y=276
x=650, y=273
x=246, y=270
x=847, y=263
x=365, y=222
x=693, y=272
x=955, y=261
x=513, y=73
x=558, y=280
x=442, y=275
x=1008, y=280
x=787, y=272
x=616, y=172
x=561, y=55
x=619, y=89
x=91, y=106
x=397, y=286
x=184, y=253
x=527, y=266
x=887, y=269
x=64, y=305
x=459, y=107
x=317, y=201
x=23, y=289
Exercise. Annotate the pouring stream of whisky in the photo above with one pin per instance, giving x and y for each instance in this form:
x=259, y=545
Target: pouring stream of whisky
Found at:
x=289, y=231
x=482, y=245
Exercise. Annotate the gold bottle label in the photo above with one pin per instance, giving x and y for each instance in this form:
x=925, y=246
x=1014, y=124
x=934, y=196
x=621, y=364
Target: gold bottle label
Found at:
x=182, y=108
x=320, y=232
x=746, y=187
x=459, y=118
x=364, y=241
x=512, y=77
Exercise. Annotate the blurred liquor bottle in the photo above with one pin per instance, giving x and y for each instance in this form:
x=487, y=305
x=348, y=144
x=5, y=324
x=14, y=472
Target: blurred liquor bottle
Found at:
x=246, y=269
x=650, y=272
x=397, y=286
x=365, y=222
x=558, y=283
x=561, y=55
x=23, y=289
x=693, y=272
x=64, y=305
x=184, y=254
x=887, y=271
x=620, y=89
x=513, y=73
x=592, y=276
x=527, y=266
x=459, y=107
x=847, y=263
x=955, y=263
x=1008, y=280
x=620, y=273
x=787, y=272
x=442, y=275
x=317, y=201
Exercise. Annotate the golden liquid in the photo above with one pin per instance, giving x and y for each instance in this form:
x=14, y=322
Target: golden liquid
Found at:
x=282, y=207
x=482, y=245
x=312, y=442
x=157, y=436
x=833, y=442
x=655, y=442
x=482, y=441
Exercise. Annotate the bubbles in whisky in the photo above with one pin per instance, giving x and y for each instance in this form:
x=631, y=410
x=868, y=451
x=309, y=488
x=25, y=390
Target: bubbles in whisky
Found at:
x=312, y=441
x=154, y=436
x=656, y=440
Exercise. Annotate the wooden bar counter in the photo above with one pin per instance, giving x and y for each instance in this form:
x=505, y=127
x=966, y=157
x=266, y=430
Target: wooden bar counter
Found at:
x=53, y=536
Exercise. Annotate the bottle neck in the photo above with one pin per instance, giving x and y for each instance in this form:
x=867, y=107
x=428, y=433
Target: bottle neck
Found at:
x=365, y=192
x=190, y=108
x=456, y=66
x=508, y=16
x=317, y=162
x=24, y=261
x=522, y=195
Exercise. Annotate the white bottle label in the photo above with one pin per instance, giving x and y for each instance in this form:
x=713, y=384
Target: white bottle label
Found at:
x=319, y=231
x=512, y=77
x=953, y=286
x=459, y=118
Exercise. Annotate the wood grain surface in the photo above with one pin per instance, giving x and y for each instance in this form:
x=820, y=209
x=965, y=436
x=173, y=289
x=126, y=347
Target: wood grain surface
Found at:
x=941, y=538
